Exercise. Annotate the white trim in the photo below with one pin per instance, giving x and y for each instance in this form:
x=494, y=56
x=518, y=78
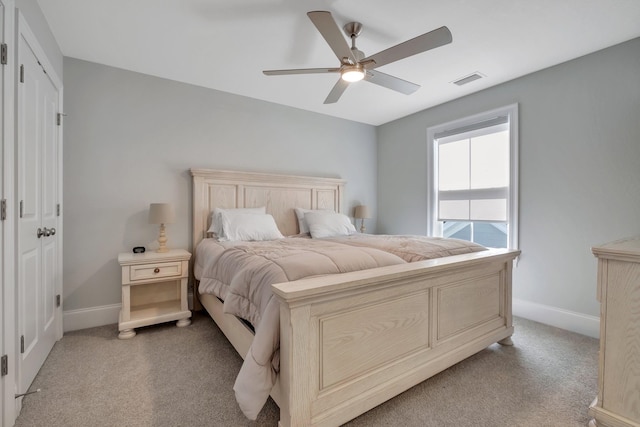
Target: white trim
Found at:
x=60, y=222
x=9, y=406
x=84, y=318
x=514, y=184
x=560, y=318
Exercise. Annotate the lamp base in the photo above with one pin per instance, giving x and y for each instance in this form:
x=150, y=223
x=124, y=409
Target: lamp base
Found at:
x=162, y=240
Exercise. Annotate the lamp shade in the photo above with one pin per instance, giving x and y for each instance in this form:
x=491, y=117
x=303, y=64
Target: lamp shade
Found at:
x=161, y=213
x=362, y=212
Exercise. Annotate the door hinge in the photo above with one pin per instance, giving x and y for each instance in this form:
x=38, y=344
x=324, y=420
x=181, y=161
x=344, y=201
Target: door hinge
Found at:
x=60, y=118
x=3, y=209
x=58, y=210
x=58, y=300
x=21, y=344
x=21, y=73
x=21, y=207
x=3, y=54
x=4, y=366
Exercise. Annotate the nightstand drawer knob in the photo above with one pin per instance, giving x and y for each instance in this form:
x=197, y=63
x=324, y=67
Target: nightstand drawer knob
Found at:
x=156, y=270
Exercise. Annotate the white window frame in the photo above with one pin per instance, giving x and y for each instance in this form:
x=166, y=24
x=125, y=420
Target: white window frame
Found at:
x=511, y=111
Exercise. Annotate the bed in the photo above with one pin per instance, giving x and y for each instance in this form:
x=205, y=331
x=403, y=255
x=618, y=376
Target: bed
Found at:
x=350, y=341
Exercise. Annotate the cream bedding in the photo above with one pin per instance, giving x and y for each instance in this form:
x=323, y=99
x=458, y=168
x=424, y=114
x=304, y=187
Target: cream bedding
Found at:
x=411, y=248
x=241, y=274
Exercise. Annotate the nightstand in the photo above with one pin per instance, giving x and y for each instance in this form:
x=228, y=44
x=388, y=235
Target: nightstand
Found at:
x=154, y=290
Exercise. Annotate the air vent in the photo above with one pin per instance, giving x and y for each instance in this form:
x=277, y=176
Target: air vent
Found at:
x=468, y=79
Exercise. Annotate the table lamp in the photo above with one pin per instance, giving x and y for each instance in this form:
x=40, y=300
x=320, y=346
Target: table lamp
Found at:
x=161, y=213
x=361, y=213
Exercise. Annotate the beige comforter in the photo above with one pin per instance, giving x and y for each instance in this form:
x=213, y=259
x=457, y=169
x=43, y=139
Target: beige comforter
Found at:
x=411, y=248
x=241, y=274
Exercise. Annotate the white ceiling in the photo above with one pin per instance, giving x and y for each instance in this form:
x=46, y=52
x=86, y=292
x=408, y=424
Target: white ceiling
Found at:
x=225, y=44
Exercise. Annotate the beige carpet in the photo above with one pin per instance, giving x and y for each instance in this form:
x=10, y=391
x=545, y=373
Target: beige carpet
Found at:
x=168, y=376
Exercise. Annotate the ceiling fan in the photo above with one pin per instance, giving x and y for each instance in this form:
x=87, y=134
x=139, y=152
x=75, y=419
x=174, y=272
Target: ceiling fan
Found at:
x=354, y=66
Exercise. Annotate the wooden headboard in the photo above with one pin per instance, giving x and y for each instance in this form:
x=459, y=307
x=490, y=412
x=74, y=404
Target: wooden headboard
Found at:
x=279, y=193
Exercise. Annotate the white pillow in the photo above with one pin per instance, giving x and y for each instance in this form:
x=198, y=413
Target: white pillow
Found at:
x=216, y=220
x=327, y=224
x=301, y=212
x=249, y=227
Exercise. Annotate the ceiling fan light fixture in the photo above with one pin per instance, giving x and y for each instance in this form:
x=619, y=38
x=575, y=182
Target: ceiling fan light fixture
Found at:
x=352, y=73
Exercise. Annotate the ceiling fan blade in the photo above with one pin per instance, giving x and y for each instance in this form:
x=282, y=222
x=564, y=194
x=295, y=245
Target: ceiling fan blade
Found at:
x=301, y=71
x=332, y=34
x=391, y=82
x=430, y=40
x=336, y=92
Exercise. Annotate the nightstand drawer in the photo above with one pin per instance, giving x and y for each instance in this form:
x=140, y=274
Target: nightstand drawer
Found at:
x=152, y=271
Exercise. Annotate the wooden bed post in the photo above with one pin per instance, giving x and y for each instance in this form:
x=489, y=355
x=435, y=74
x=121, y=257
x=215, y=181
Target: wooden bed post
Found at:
x=508, y=298
x=295, y=367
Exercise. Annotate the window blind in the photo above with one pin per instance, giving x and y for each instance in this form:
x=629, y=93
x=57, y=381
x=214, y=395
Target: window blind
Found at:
x=476, y=129
x=473, y=178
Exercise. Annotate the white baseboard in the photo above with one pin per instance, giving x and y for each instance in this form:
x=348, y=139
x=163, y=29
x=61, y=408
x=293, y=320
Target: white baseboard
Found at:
x=570, y=320
x=73, y=320
x=575, y=322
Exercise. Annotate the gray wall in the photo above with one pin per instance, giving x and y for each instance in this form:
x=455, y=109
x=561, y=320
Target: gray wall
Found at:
x=131, y=138
x=579, y=169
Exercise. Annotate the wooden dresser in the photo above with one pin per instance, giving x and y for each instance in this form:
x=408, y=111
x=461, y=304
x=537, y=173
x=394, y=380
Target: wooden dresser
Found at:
x=618, y=401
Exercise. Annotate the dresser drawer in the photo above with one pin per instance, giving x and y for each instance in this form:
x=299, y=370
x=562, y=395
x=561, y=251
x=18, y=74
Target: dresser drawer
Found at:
x=153, y=271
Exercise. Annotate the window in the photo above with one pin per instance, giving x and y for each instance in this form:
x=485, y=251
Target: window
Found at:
x=473, y=165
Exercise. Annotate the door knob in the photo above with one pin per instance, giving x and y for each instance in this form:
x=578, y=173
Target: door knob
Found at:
x=47, y=232
x=40, y=233
x=53, y=231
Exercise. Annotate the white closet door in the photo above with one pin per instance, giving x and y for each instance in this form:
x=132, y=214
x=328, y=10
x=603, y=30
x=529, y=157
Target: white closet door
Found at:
x=37, y=186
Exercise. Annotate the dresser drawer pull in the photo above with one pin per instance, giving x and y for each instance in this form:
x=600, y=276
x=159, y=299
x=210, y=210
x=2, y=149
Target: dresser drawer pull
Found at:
x=156, y=270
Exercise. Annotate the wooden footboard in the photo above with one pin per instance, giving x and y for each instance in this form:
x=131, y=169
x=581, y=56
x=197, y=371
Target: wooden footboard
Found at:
x=349, y=342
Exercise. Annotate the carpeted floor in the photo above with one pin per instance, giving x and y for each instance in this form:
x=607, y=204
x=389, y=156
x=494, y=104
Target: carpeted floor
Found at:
x=168, y=376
